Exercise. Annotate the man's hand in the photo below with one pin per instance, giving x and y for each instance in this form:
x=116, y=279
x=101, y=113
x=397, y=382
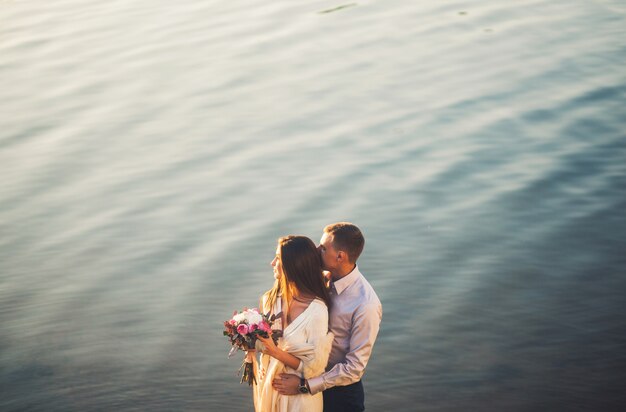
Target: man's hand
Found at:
x=286, y=384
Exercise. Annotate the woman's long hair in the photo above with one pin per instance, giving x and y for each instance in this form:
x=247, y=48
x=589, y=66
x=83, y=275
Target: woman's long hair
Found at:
x=302, y=272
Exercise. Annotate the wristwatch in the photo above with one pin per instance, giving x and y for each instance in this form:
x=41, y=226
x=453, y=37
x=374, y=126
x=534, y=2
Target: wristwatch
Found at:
x=302, y=388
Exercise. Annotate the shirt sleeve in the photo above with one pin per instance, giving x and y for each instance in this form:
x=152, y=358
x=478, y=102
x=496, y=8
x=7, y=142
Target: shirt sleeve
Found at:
x=366, y=323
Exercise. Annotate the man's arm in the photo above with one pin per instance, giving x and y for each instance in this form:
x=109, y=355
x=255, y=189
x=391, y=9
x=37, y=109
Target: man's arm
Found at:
x=366, y=324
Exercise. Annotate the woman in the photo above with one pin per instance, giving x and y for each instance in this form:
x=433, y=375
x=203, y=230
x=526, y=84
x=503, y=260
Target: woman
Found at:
x=300, y=300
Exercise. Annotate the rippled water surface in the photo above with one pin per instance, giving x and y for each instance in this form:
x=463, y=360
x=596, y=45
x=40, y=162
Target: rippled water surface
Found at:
x=151, y=152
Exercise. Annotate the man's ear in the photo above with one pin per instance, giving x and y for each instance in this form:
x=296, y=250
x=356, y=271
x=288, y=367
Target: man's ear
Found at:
x=341, y=256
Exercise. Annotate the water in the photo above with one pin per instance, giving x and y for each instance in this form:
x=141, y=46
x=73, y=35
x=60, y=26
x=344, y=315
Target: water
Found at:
x=151, y=153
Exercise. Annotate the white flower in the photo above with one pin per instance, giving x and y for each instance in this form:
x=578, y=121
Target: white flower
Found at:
x=240, y=317
x=254, y=318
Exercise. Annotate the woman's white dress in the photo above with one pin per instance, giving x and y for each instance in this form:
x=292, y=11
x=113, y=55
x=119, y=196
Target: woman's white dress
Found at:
x=308, y=339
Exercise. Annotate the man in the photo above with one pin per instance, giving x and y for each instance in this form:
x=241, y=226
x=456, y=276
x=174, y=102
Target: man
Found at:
x=354, y=319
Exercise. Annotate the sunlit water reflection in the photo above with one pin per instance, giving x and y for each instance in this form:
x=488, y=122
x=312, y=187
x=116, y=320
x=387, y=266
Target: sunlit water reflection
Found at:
x=152, y=152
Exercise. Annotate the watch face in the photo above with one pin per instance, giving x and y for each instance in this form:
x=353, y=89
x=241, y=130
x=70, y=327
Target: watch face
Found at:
x=303, y=389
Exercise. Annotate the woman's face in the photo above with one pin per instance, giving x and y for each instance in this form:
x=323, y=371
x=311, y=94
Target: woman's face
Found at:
x=277, y=265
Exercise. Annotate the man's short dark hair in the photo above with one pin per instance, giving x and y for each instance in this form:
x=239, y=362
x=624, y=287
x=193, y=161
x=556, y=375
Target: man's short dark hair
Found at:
x=348, y=238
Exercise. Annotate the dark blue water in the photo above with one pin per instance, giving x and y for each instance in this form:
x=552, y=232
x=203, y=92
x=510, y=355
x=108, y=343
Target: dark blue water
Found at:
x=151, y=153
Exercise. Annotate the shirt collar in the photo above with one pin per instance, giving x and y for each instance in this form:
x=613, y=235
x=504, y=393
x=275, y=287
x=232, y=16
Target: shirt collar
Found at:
x=343, y=283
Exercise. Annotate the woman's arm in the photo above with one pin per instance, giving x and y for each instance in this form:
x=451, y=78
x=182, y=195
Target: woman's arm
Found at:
x=275, y=352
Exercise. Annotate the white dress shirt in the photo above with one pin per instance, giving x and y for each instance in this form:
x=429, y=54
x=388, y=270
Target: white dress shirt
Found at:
x=355, y=316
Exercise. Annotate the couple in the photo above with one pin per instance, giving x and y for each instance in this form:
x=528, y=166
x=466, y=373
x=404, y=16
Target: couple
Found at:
x=329, y=328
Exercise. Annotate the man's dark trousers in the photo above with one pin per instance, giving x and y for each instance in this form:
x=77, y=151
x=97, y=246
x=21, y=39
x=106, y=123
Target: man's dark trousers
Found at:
x=349, y=398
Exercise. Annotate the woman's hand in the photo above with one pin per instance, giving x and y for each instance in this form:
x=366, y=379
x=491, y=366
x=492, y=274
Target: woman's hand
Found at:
x=270, y=346
x=250, y=355
x=279, y=354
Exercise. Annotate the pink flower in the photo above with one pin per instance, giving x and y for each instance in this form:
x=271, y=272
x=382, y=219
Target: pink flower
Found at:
x=253, y=327
x=264, y=326
x=232, y=322
x=242, y=329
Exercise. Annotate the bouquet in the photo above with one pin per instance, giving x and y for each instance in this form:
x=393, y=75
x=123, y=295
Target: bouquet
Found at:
x=242, y=331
